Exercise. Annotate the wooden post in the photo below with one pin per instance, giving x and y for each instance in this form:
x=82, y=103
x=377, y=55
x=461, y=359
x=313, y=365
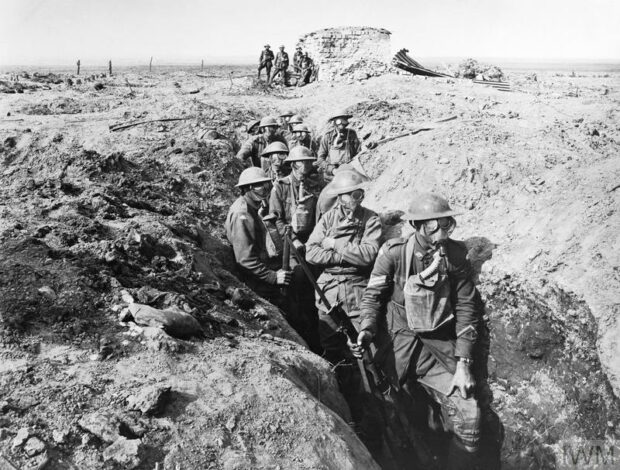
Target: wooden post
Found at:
x=150, y=64
x=202, y=65
x=78, y=66
x=110, y=67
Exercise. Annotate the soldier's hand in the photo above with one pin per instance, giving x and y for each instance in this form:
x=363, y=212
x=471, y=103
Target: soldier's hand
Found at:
x=283, y=278
x=463, y=381
x=363, y=340
x=299, y=245
x=328, y=243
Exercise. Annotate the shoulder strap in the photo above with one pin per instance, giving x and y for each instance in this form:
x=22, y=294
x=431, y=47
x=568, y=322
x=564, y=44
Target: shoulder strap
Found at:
x=409, y=255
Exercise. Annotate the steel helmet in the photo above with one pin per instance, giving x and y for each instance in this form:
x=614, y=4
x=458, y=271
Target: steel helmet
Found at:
x=275, y=147
x=299, y=154
x=268, y=121
x=347, y=181
x=295, y=119
x=300, y=128
x=252, y=175
x=252, y=126
x=267, y=46
x=287, y=114
x=427, y=206
x=341, y=114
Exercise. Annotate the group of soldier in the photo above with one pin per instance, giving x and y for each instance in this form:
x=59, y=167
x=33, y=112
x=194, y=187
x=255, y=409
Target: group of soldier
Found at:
x=302, y=65
x=412, y=300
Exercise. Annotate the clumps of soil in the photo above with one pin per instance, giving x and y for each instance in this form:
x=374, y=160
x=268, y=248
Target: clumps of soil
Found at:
x=545, y=373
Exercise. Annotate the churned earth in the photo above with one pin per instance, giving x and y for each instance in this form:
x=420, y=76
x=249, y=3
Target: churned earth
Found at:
x=95, y=223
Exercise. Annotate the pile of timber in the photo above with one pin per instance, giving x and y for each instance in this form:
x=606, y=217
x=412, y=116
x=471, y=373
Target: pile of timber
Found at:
x=402, y=61
x=501, y=86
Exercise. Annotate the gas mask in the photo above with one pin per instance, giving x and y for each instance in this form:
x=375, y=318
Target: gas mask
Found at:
x=351, y=201
x=301, y=169
x=436, y=231
x=260, y=192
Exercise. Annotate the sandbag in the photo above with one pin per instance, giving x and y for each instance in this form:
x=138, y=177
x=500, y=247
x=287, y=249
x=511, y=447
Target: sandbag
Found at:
x=173, y=321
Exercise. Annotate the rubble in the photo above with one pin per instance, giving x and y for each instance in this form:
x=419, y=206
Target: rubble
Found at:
x=151, y=400
x=34, y=446
x=471, y=68
x=124, y=452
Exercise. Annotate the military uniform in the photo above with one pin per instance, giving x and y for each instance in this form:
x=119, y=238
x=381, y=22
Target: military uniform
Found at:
x=425, y=357
x=306, y=66
x=346, y=268
x=297, y=59
x=283, y=203
x=247, y=234
x=281, y=65
x=254, y=146
x=284, y=197
x=345, y=275
x=265, y=61
x=334, y=152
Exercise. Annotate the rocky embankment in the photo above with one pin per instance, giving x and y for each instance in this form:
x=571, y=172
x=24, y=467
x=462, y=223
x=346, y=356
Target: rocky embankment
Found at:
x=95, y=223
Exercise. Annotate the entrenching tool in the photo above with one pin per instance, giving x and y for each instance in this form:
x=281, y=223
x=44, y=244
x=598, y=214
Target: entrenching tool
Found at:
x=404, y=442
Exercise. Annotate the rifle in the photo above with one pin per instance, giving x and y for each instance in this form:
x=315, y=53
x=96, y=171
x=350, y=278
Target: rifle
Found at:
x=399, y=429
x=286, y=255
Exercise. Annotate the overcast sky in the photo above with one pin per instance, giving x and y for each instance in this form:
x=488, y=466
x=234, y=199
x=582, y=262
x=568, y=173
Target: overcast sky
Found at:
x=59, y=32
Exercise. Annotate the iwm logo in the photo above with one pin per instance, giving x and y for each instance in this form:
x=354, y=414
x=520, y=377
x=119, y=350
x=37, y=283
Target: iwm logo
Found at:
x=599, y=455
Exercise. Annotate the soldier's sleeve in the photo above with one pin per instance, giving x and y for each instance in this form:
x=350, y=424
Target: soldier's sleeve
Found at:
x=323, y=151
x=378, y=290
x=315, y=253
x=355, y=145
x=276, y=206
x=464, y=301
x=242, y=231
x=362, y=253
x=246, y=149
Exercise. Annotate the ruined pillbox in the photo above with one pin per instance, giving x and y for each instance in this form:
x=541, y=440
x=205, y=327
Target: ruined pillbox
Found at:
x=348, y=53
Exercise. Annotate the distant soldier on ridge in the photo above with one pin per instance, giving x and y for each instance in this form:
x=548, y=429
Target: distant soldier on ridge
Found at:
x=281, y=65
x=265, y=61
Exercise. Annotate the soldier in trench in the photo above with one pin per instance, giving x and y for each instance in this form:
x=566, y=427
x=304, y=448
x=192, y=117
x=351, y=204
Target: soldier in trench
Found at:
x=344, y=244
x=420, y=308
x=338, y=146
x=257, y=249
x=252, y=149
x=293, y=201
x=274, y=162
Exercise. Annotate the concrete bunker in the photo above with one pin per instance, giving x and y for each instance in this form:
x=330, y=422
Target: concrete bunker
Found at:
x=348, y=52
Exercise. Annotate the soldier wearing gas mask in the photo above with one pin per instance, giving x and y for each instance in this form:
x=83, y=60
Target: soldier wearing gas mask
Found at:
x=257, y=249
